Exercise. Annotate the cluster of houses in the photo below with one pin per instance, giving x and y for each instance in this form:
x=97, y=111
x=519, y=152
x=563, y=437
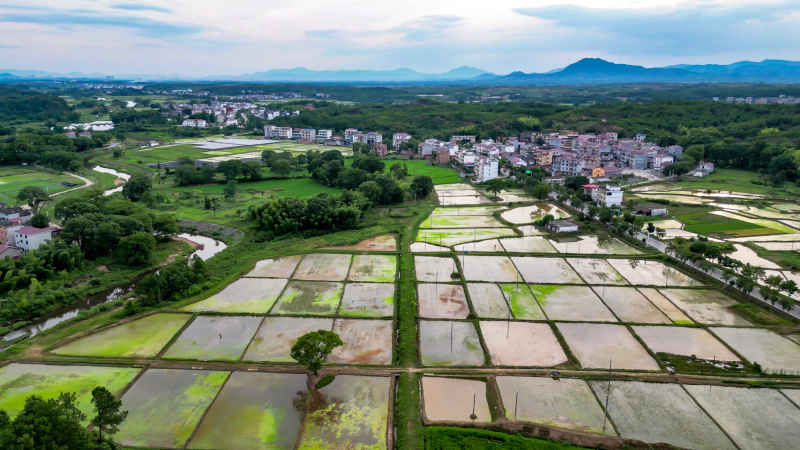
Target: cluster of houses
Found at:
x=225, y=114
x=99, y=125
x=17, y=238
x=779, y=100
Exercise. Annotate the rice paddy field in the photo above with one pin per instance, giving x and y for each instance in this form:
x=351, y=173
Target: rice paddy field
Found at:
x=479, y=328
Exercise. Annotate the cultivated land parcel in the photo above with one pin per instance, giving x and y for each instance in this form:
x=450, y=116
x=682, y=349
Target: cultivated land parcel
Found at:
x=612, y=317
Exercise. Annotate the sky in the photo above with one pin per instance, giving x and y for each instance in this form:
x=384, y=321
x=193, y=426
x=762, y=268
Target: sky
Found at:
x=211, y=37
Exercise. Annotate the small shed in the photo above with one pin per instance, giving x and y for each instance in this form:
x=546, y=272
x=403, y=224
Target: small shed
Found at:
x=562, y=226
x=651, y=209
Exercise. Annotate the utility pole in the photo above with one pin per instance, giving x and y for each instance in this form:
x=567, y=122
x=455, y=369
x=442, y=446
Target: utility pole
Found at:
x=608, y=394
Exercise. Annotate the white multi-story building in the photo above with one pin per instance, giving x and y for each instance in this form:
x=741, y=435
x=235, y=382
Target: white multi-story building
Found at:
x=30, y=238
x=399, y=139
x=349, y=135
x=194, y=123
x=486, y=169
x=607, y=195
x=284, y=132
x=324, y=134
x=308, y=134
x=374, y=138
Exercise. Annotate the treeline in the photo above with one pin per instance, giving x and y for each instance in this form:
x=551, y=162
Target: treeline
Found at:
x=23, y=105
x=322, y=213
x=55, y=151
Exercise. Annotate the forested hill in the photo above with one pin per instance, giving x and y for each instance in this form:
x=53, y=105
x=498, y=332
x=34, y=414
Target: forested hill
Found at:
x=756, y=137
x=27, y=105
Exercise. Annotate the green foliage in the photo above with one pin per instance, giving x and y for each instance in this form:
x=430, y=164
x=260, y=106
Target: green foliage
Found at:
x=176, y=280
x=441, y=438
x=136, y=249
x=324, y=381
x=109, y=415
x=40, y=220
x=136, y=188
x=34, y=196
x=312, y=348
x=421, y=186
x=323, y=213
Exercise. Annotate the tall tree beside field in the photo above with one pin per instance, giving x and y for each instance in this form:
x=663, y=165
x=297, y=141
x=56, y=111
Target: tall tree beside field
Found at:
x=46, y=424
x=109, y=415
x=136, y=188
x=311, y=350
x=34, y=196
x=421, y=186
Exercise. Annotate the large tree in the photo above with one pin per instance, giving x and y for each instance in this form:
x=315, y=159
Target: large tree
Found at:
x=136, y=188
x=311, y=350
x=34, y=196
x=109, y=415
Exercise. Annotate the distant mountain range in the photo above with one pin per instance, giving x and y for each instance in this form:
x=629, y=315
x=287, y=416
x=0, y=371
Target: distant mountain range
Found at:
x=585, y=71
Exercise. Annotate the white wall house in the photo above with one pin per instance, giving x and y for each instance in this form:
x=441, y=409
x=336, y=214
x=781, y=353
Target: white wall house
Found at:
x=486, y=169
x=30, y=238
x=194, y=123
x=607, y=196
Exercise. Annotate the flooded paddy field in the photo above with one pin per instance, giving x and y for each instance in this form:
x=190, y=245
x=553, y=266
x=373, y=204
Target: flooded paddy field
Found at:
x=488, y=268
x=596, y=271
x=630, y=305
x=434, y=268
x=351, y=413
x=488, y=300
x=651, y=273
x=309, y=297
x=142, y=338
x=375, y=268
x=466, y=221
x=277, y=335
x=449, y=343
x=424, y=247
x=565, y=403
x=525, y=344
x=530, y=214
x=596, y=345
x=453, y=236
x=254, y=411
x=164, y=406
x=275, y=267
x=593, y=245
x=772, y=351
x=381, y=243
x=365, y=342
x=466, y=211
x=367, y=300
x=705, y=306
x=527, y=244
x=545, y=270
x=749, y=256
x=489, y=245
x=523, y=303
x=675, y=315
x=780, y=246
x=442, y=301
x=210, y=338
x=571, y=303
x=245, y=295
x=323, y=267
x=19, y=381
x=754, y=418
x=684, y=341
x=660, y=412
x=452, y=399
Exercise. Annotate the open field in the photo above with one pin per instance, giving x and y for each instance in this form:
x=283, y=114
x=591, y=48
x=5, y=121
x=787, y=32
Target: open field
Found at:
x=773, y=225
x=593, y=245
x=309, y=297
x=452, y=236
x=523, y=303
x=461, y=222
x=705, y=306
x=596, y=271
x=571, y=303
x=323, y=267
x=504, y=339
x=453, y=398
x=630, y=305
x=174, y=400
x=488, y=268
x=439, y=175
x=274, y=340
x=14, y=179
x=740, y=181
x=275, y=268
x=442, y=301
x=18, y=381
x=702, y=221
x=210, y=338
x=488, y=300
x=772, y=351
x=375, y=268
x=599, y=345
x=245, y=295
x=449, y=343
x=657, y=298
x=545, y=270
x=565, y=403
x=651, y=273
x=527, y=244
x=684, y=341
x=143, y=337
x=365, y=342
x=434, y=268
x=367, y=300
x=530, y=214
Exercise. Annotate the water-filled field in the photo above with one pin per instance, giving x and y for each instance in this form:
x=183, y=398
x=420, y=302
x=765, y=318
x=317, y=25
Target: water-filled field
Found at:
x=276, y=267
x=442, y=301
x=545, y=270
x=424, y=247
x=596, y=271
x=521, y=344
x=142, y=338
x=449, y=343
x=466, y=211
x=323, y=267
x=530, y=214
x=489, y=245
x=527, y=244
x=630, y=305
x=309, y=297
x=210, y=338
x=488, y=300
x=749, y=256
x=471, y=221
x=452, y=236
x=376, y=268
x=19, y=381
x=676, y=315
x=488, y=268
x=599, y=345
x=277, y=335
x=434, y=268
x=684, y=341
x=367, y=300
x=772, y=351
x=164, y=406
x=705, y=306
x=365, y=342
x=383, y=242
x=660, y=412
x=592, y=245
x=245, y=295
x=352, y=413
x=565, y=403
x=523, y=303
x=754, y=418
x=571, y=303
x=254, y=411
x=453, y=399
x=651, y=273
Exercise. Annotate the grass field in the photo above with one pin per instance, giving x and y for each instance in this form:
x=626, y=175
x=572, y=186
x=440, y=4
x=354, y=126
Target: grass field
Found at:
x=700, y=220
x=14, y=179
x=440, y=175
x=740, y=181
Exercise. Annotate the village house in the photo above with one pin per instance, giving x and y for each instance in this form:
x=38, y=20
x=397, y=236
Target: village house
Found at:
x=562, y=226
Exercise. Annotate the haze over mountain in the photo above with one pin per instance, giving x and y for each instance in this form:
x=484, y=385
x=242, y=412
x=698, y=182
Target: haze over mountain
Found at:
x=584, y=71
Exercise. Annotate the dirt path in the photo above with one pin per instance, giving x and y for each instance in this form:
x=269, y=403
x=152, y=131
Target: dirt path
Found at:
x=87, y=183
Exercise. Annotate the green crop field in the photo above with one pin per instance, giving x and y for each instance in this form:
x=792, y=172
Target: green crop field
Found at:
x=740, y=181
x=14, y=179
x=698, y=220
x=440, y=175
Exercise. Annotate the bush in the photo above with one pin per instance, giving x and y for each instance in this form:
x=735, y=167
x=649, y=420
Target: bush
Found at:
x=326, y=380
